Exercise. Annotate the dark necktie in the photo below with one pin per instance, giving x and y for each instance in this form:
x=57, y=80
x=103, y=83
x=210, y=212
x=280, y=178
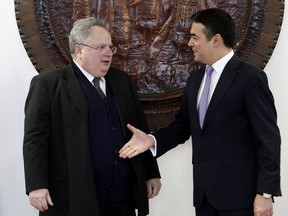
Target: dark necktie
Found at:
x=203, y=103
x=96, y=81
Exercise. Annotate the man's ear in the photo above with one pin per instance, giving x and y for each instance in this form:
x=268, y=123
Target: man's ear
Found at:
x=217, y=40
x=77, y=50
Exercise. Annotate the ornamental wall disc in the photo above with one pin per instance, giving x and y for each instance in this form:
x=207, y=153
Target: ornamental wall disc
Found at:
x=151, y=37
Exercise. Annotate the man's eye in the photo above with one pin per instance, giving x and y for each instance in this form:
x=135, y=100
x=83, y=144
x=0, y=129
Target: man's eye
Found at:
x=101, y=47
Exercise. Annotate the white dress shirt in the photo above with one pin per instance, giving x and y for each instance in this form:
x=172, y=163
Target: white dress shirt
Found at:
x=218, y=69
x=102, y=82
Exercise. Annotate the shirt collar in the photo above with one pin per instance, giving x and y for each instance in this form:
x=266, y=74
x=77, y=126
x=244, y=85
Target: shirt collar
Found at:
x=87, y=74
x=221, y=63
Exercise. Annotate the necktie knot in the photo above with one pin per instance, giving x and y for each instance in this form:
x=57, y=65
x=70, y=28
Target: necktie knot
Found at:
x=209, y=70
x=96, y=82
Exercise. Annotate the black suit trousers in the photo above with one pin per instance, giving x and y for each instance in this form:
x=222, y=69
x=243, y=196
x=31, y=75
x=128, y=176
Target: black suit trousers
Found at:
x=117, y=211
x=207, y=209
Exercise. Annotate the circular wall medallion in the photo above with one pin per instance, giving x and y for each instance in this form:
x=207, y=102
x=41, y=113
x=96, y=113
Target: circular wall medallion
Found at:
x=151, y=37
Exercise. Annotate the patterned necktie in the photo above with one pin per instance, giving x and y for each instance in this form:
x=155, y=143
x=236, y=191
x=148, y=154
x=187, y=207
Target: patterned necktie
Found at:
x=96, y=83
x=203, y=103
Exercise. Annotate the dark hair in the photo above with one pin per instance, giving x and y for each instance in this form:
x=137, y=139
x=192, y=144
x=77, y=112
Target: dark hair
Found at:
x=216, y=21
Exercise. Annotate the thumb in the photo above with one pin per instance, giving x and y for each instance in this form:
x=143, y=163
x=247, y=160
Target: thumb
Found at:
x=49, y=199
x=149, y=189
x=131, y=128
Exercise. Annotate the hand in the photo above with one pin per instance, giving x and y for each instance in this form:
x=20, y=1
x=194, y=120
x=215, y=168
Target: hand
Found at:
x=153, y=187
x=40, y=199
x=263, y=206
x=139, y=143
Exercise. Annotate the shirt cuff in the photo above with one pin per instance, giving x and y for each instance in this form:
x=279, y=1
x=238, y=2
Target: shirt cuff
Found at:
x=154, y=148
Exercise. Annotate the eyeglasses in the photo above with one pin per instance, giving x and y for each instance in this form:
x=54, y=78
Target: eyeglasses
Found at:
x=102, y=48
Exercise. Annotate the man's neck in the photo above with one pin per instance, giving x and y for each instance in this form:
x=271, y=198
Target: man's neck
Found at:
x=219, y=54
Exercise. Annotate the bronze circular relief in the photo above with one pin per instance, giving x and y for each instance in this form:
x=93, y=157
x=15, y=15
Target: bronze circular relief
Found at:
x=151, y=37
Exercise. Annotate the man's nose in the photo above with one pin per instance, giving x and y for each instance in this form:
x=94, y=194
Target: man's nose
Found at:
x=190, y=43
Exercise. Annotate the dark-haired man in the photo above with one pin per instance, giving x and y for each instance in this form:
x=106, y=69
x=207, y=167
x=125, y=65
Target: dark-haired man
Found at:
x=229, y=112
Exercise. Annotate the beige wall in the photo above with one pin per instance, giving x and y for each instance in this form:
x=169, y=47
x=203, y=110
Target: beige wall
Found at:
x=175, y=198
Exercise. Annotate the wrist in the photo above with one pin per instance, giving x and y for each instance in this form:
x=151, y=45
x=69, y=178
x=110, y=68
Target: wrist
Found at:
x=153, y=141
x=265, y=195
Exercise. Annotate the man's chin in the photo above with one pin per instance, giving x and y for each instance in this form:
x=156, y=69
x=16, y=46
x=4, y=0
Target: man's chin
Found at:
x=196, y=59
x=105, y=68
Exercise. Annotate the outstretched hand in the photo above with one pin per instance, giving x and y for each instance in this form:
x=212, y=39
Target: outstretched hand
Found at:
x=139, y=143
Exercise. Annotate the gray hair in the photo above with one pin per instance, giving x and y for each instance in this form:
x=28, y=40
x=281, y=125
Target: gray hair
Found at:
x=81, y=30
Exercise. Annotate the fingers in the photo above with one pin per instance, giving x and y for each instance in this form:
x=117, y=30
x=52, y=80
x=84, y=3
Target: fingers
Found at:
x=149, y=190
x=39, y=204
x=153, y=192
x=139, y=143
x=263, y=212
x=263, y=206
x=133, y=153
x=260, y=213
x=40, y=199
x=49, y=200
x=153, y=187
x=127, y=151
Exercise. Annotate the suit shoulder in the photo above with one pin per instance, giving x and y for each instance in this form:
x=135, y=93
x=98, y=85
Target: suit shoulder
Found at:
x=53, y=74
x=116, y=73
x=250, y=70
x=249, y=67
x=251, y=73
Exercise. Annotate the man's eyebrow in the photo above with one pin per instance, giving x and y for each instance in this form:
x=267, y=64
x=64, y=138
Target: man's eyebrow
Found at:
x=192, y=34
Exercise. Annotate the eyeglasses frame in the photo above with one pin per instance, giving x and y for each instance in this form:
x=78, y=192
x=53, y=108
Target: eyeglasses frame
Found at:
x=112, y=49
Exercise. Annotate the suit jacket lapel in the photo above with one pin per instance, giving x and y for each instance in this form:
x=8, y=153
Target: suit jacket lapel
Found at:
x=227, y=77
x=75, y=91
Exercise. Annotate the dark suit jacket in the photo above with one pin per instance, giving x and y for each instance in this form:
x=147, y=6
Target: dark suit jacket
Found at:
x=56, y=141
x=237, y=153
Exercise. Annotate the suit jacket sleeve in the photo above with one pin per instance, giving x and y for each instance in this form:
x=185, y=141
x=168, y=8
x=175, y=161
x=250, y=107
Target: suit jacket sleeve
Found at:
x=178, y=132
x=36, y=133
x=263, y=117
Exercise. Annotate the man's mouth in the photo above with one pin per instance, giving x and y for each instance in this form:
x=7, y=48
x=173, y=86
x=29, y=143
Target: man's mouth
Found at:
x=106, y=61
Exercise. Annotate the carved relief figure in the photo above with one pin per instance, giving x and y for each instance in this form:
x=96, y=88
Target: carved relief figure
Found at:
x=151, y=37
